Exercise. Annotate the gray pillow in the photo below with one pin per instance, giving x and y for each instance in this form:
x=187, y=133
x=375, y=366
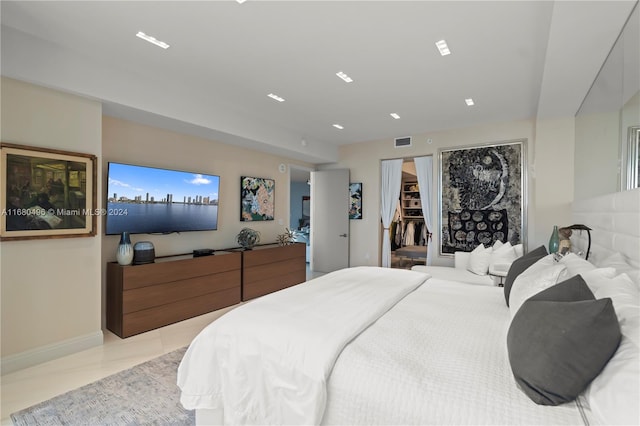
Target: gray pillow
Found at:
x=560, y=340
x=519, y=266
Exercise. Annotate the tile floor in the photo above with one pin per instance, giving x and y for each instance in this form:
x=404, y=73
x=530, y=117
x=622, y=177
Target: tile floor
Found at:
x=24, y=388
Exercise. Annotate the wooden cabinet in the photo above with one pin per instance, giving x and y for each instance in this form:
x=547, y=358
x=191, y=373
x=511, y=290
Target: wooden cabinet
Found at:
x=410, y=201
x=270, y=268
x=144, y=297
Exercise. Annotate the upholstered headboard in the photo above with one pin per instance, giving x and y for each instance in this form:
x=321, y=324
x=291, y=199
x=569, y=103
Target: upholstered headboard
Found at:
x=615, y=220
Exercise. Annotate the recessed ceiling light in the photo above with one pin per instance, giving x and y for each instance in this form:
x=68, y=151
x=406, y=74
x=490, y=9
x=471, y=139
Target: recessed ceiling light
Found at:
x=443, y=48
x=344, y=76
x=241, y=1
x=337, y=126
x=276, y=97
x=469, y=101
x=394, y=115
x=152, y=40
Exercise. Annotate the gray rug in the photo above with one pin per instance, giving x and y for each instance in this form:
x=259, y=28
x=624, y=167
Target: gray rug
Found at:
x=146, y=394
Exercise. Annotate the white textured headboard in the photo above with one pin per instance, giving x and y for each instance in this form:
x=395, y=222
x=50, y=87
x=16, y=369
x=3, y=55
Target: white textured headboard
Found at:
x=615, y=220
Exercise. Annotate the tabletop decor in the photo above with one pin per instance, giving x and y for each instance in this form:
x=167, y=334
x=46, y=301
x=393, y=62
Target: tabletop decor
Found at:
x=247, y=238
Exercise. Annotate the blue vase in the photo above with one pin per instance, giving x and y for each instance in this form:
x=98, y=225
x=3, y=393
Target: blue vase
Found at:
x=554, y=241
x=124, y=254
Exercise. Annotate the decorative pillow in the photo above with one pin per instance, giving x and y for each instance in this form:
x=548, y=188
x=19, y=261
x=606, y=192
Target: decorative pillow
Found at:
x=626, y=300
x=519, y=250
x=598, y=277
x=614, y=394
x=503, y=254
x=519, y=266
x=634, y=274
x=551, y=342
x=539, y=276
x=617, y=261
x=479, y=260
x=576, y=265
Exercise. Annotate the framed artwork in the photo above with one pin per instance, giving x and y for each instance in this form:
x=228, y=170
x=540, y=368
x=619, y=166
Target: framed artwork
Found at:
x=306, y=210
x=355, y=203
x=257, y=199
x=482, y=192
x=41, y=196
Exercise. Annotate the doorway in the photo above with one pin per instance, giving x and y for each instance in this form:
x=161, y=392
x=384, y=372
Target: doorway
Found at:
x=300, y=205
x=410, y=231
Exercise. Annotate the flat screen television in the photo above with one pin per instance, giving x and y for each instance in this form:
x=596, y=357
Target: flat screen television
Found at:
x=148, y=200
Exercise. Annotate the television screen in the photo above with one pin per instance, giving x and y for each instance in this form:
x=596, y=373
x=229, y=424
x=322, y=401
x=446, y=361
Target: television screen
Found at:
x=149, y=200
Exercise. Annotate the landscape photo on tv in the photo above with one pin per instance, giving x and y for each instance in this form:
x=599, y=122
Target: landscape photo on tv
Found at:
x=151, y=200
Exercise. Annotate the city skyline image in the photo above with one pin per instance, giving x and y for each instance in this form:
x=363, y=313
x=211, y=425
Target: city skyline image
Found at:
x=143, y=184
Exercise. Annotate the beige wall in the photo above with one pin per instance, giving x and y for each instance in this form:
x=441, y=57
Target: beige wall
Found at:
x=128, y=142
x=552, y=176
x=363, y=160
x=50, y=288
x=53, y=290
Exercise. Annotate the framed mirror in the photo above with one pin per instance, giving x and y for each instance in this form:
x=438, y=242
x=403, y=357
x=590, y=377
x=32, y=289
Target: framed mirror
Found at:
x=633, y=158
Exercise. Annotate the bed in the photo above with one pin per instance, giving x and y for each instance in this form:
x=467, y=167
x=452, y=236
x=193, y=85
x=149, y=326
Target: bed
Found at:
x=430, y=351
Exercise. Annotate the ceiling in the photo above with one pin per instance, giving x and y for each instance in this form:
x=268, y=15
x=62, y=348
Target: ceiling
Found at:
x=516, y=59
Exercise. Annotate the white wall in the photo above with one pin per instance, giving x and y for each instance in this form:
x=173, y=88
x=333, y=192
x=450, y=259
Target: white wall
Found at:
x=363, y=160
x=51, y=294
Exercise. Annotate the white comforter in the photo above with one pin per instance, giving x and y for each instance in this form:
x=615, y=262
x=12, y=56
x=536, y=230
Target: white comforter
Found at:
x=268, y=361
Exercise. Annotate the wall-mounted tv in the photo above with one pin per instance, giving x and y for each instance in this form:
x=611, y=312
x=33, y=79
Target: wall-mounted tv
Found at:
x=148, y=200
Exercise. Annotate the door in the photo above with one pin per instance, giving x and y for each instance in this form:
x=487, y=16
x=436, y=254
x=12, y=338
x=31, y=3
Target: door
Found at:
x=329, y=220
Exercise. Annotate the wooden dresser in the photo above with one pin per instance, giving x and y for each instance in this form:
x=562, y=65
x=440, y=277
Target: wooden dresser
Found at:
x=271, y=267
x=144, y=297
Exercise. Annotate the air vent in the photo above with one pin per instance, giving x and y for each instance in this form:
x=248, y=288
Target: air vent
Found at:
x=402, y=142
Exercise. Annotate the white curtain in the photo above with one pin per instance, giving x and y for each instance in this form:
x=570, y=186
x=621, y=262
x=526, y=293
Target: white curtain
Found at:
x=391, y=182
x=424, y=170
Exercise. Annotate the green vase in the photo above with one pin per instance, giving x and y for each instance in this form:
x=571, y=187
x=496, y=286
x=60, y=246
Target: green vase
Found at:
x=554, y=241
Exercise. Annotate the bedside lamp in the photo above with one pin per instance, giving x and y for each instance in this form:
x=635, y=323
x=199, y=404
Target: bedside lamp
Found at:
x=580, y=227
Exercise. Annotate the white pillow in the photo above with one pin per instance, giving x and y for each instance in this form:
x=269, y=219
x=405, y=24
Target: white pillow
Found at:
x=501, y=259
x=618, y=261
x=497, y=244
x=614, y=394
x=598, y=277
x=634, y=275
x=519, y=250
x=479, y=260
x=626, y=301
x=537, y=277
x=576, y=265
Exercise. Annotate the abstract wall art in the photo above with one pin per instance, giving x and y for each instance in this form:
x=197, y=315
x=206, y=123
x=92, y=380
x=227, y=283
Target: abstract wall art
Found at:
x=482, y=192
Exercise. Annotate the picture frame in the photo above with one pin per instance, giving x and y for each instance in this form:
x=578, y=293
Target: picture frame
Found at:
x=482, y=195
x=257, y=199
x=38, y=199
x=355, y=200
x=306, y=210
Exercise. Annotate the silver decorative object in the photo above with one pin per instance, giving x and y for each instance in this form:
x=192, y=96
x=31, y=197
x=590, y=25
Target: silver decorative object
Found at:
x=247, y=238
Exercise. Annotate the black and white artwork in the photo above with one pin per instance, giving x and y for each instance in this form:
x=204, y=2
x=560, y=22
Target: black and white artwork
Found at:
x=481, y=196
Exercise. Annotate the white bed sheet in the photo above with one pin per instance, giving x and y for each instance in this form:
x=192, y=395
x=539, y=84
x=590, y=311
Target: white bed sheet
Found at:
x=438, y=357
x=267, y=362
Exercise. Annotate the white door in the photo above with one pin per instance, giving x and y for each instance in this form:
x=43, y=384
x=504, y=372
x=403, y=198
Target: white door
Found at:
x=329, y=220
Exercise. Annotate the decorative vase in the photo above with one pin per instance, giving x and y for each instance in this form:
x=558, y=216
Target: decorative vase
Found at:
x=124, y=254
x=554, y=241
x=247, y=238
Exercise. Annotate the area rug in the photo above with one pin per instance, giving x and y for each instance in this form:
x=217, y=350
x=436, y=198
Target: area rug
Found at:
x=146, y=394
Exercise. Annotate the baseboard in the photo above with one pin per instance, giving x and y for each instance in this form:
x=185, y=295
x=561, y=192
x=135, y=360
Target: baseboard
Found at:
x=32, y=357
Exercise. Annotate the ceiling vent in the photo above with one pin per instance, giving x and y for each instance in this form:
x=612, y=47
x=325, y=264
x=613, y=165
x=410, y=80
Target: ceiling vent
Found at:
x=402, y=142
